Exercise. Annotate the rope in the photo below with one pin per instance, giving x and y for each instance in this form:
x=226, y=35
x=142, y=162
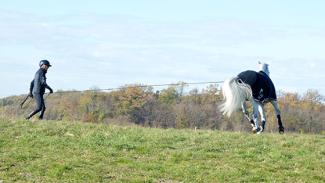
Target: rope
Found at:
x=138, y=86
x=143, y=86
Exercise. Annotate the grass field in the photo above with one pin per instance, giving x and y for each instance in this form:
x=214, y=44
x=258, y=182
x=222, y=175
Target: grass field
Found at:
x=52, y=151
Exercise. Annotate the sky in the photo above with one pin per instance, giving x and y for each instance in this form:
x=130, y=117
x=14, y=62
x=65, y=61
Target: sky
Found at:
x=107, y=44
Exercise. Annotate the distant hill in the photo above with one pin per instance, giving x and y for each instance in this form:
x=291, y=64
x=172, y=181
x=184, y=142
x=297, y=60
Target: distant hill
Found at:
x=170, y=108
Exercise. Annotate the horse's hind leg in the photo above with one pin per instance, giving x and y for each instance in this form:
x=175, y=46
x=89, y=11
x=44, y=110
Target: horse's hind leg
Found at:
x=278, y=115
x=246, y=114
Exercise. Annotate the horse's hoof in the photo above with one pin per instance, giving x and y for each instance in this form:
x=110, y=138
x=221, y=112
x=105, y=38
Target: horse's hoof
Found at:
x=260, y=130
x=254, y=130
x=257, y=130
x=281, y=130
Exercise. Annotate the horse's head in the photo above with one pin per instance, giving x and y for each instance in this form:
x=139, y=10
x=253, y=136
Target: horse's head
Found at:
x=264, y=67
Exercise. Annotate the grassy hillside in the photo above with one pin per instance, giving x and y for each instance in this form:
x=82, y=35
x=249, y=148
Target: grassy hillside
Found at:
x=53, y=151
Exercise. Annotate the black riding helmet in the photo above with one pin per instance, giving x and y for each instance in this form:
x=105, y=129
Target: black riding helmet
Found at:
x=44, y=62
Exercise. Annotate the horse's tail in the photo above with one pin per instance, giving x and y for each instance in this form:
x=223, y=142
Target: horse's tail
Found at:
x=235, y=92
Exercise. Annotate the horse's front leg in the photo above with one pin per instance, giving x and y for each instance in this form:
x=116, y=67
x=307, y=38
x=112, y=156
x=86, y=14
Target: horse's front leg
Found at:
x=262, y=113
x=278, y=115
x=256, y=127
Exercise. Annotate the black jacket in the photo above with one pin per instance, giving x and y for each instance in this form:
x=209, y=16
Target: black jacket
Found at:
x=38, y=85
x=262, y=86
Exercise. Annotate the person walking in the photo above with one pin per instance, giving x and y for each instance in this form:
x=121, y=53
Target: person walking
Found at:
x=37, y=89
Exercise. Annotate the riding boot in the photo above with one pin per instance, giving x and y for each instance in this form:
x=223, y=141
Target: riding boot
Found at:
x=42, y=113
x=31, y=114
x=281, y=128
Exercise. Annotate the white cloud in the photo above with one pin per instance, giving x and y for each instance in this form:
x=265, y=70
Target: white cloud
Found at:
x=108, y=51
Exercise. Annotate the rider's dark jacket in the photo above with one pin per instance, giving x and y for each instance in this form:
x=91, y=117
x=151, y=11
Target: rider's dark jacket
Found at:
x=38, y=85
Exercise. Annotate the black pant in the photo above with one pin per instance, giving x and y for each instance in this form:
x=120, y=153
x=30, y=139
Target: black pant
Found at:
x=40, y=106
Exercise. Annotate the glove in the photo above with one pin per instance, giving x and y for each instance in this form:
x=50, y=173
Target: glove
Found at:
x=30, y=95
x=51, y=91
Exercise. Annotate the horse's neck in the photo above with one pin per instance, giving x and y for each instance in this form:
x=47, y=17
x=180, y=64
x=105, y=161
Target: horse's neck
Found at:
x=267, y=73
x=265, y=69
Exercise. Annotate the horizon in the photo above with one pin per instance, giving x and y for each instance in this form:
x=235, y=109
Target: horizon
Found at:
x=108, y=44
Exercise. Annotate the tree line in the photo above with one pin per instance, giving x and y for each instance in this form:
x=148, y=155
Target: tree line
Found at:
x=171, y=108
